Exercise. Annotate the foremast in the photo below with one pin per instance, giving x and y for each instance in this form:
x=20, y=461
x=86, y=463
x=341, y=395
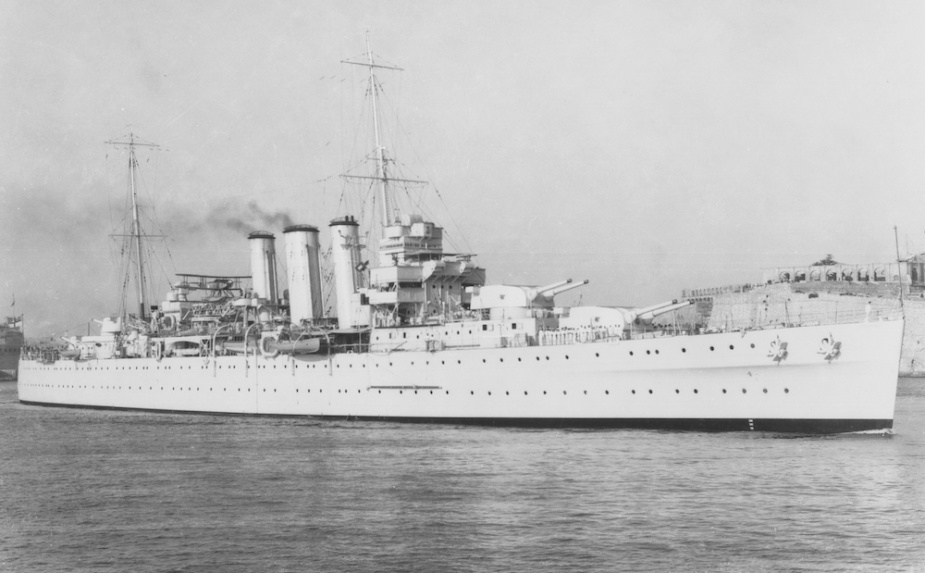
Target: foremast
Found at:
x=414, y=282
x=389, y=210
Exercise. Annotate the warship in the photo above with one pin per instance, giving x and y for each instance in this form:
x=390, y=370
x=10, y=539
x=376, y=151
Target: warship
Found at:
x=420, y=336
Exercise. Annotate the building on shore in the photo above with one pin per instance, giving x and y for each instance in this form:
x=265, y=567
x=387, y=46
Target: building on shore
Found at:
x=910, y=273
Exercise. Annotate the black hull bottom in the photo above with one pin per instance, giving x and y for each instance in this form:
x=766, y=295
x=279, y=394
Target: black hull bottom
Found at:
x=775, y=425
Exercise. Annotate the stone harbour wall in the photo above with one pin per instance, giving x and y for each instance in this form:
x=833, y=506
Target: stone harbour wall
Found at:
x=824, y=303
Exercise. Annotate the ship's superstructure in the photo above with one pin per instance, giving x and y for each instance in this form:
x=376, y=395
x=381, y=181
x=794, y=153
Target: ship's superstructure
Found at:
x=420, y=336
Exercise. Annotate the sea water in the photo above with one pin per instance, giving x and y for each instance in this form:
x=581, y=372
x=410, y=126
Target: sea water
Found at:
x=110, y=491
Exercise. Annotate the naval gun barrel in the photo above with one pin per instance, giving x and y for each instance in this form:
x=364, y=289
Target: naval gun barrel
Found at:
x=566, y=287
x=544, y=289
x=649, y=313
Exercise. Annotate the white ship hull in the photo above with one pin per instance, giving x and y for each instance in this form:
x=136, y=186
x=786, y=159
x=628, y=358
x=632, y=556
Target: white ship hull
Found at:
x=726, y=381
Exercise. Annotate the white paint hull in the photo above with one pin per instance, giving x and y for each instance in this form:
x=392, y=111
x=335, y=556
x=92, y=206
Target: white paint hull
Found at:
x=709, y=382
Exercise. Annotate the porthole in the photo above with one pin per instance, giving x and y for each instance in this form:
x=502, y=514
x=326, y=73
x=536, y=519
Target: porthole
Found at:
x=472, y=392
x=631, y=352
x=765, y=390
x=786, y=390
x=564, y=393
x=752, y=345
x=656, y=351
x=684, y=350
x=506, y=393
x=607, y=392
x=650, y=391
x=712, y=349
x=525, y=392
x=695, y=391
x=648, y=352
x=633, y=391
x=489, y=392
x=731, y=347
x=544, y=392
x=724, y=390
x=676, y=391
x=744, y=391
x=596, y=355
x=518, y=360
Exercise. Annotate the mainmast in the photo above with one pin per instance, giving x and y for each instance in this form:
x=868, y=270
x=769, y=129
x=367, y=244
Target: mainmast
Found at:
x=136, y=224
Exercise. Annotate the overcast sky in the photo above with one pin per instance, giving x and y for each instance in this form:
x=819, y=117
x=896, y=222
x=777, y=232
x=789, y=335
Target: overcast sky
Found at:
x=646, y=146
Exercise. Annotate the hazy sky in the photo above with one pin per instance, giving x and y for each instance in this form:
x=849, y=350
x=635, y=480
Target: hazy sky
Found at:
x=646, y=146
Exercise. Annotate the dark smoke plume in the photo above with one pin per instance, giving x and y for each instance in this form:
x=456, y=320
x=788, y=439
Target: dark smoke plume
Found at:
x=247, y=219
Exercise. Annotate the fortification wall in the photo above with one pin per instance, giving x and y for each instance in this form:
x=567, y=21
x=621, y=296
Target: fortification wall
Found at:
x=824, y=303
x=862, y=289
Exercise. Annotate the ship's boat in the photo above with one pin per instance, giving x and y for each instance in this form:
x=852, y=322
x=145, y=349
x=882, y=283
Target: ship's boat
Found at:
x=420, y=336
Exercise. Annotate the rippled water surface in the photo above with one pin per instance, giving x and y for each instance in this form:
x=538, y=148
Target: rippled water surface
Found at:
x=86, y=490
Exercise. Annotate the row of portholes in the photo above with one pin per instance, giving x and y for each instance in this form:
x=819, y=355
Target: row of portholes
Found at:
x=426, y=363
x=471, y=392
x=519, y=359
x=564, y=392
x=744, y=391
x=443, y=362
x=712, y=349
x=205, y=367
x=539, y=359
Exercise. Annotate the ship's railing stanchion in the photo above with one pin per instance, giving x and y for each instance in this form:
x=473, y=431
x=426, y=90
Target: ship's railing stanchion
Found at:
x=246, y=360
x=214, y=336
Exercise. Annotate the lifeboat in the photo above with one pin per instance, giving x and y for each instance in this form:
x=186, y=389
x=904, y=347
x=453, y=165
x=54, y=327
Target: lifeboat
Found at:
x=271, y=346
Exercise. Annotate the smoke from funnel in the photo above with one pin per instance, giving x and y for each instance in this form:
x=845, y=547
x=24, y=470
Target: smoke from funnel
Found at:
x=244, y=219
